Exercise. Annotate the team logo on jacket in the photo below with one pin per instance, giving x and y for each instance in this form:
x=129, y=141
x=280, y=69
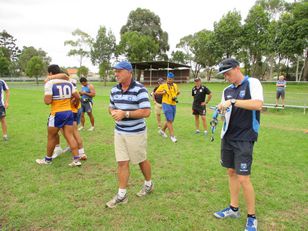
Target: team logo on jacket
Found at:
x=242, y=93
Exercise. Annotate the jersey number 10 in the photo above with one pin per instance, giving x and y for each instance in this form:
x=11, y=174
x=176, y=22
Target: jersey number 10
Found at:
x=64, y=91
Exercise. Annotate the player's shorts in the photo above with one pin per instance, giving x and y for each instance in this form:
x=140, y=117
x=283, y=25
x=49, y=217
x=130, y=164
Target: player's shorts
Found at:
x=61, y=119
x=86, y=105
x=237, y=155
x=158, y=108
x=2, y=112
x=130, y=147
x=199, y=110
x=169, y=111
x=77, y=116
x=280, y=93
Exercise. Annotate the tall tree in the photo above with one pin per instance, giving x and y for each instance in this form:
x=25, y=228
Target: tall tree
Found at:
x=179, y=57
x=28, y=52
x=83, y=71
x=35, y=67
x=138, y=47
x=9, y=42
x=4, y=66
x=148, y=23
x=255, y=37
x=103, y=48
x=81, y=46
x=228, y=32
x=206, y=52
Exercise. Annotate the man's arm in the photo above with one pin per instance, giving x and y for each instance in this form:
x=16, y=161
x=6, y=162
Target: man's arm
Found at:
x=118, y=115
x=7, y=97
x=47, y=99
x=249, y=104
x=76, y=98
x=92, y=92
x=57, y=76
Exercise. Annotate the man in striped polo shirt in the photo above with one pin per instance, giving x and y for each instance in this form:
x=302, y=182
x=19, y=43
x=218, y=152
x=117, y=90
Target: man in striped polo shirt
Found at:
x=129, y=105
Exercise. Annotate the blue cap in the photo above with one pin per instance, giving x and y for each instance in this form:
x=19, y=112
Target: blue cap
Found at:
x=123, y=65
x=227, y=65
x=170, y=75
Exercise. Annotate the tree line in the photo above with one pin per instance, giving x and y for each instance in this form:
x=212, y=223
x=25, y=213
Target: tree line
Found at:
x=271, y=40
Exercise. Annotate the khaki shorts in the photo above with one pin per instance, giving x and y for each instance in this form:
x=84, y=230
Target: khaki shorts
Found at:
x=158, y=108
x=130, y=147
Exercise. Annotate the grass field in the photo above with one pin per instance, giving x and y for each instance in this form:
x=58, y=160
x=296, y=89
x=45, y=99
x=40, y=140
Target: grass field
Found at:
x=190, y=183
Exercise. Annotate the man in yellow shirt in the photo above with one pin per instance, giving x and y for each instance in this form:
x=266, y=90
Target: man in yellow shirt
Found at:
x=169, y=91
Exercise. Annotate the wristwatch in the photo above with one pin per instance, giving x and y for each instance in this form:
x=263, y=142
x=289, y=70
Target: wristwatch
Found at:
x=233, y=101
x=127, y=114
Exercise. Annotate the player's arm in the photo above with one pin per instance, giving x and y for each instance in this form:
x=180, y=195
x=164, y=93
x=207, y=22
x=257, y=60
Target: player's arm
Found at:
x=47, y=99
x=7, y=97
x=76, y=98
x=160, y=90
x=209, y=97
x=92, y=92
x=57, y=76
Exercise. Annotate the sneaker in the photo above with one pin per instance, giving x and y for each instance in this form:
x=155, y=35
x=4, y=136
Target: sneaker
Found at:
x=67, y=149
x=116, y=201
x=227, y=212
x=145, y=190
x=75, y=163
x=42, y=161
x=197, y=131
x=83, y=157
x=162, y=133
x=57, y=152
x=205, y=133
x=252, y=224
x=91, y=129
x=173, y=139
x=81, y=128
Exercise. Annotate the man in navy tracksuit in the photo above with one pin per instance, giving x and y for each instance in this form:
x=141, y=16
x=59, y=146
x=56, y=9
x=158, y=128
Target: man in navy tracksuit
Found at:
x=241, y=104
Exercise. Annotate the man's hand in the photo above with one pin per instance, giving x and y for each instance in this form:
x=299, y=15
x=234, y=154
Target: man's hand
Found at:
x=203, y=104
x=6, y=105
x=81, y=93
x=117, y=115
x=224, y=106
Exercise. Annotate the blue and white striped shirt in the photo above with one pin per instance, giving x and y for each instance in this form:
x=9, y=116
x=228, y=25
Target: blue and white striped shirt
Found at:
x=3, y=87
x=136, y=97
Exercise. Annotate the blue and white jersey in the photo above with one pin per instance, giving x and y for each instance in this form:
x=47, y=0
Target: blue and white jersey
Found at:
x=3, y=87
x=241, y=124
x=136, y=97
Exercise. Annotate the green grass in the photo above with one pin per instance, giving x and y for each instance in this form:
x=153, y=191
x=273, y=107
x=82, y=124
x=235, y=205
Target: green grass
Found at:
x=190, y=183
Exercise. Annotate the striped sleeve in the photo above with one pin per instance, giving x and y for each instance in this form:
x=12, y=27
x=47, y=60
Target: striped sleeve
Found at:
x=111, y=102
x=143, y=98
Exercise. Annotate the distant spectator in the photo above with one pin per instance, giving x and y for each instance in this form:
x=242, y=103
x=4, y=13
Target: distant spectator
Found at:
x=199, y=93
x=87, y=94
x=158, y=102
x=169, y=91
x=281, y=86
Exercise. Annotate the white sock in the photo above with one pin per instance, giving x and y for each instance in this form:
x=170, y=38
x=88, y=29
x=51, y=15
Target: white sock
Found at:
x=57, y=147
x=5, y=136
x=81, y=151
x=121, y=192
x=148, y=183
